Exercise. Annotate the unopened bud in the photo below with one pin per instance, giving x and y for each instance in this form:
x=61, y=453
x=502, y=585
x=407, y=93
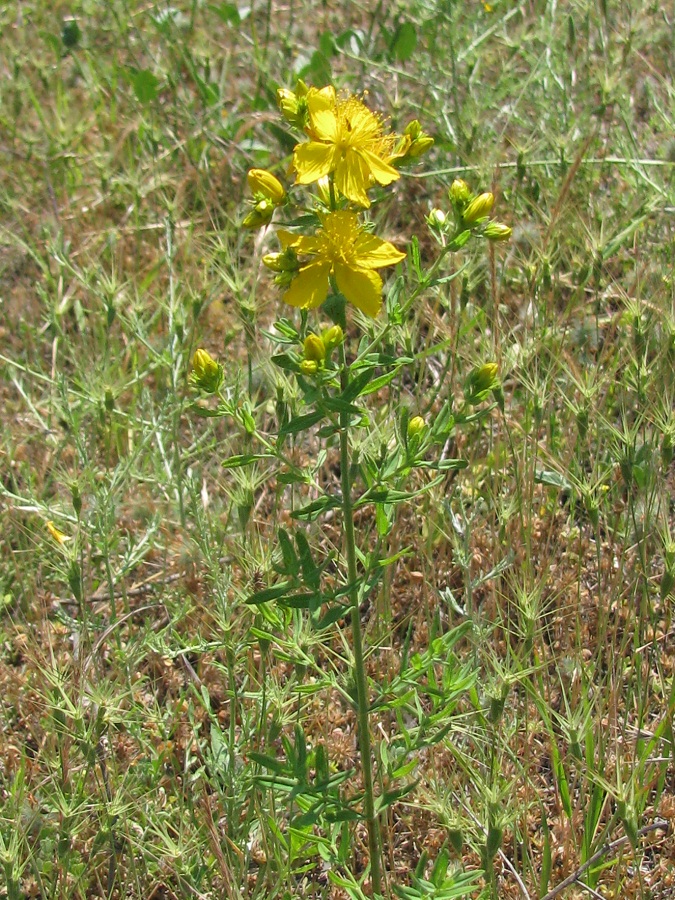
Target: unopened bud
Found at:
x=265, y=186
x=260, y=215
x=480, y=382
x=292, y=104
x=109, y=400
x=416, y=426
x=497, y=231
x=436, y=218
x=414, y=142
x=207, y=374
x=332, y=337
x=309, y=367
x=286, y=261
x=459, y=193
x=314, y=348
x=479, y=208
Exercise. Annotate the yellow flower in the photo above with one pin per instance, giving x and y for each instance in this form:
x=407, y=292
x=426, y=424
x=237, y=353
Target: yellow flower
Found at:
x=56, y=534
x=344, y=250
x=346, y=138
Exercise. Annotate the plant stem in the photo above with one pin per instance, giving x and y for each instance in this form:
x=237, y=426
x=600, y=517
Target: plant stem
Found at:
x=357, y=637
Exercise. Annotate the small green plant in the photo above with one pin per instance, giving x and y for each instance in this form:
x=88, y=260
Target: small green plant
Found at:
x=330, y=257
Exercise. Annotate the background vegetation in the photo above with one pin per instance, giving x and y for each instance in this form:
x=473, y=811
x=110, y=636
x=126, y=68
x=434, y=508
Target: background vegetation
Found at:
x=135, y=690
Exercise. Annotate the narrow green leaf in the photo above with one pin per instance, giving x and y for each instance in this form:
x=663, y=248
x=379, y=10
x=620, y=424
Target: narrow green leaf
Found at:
x=301, y=423
x=272, y=593
x=244, y=459
x=313, y=510
x=334, y=614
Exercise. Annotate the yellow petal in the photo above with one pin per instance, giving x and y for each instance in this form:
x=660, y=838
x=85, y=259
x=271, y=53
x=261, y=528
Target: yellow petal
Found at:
x=364, y=124
x=324, y=126
x=360, y=287
x=320, y=98
x=313, y=160
x=301, y=242
x=373, y=253
x=310, y=286
x=352, y=178
x=380, y=170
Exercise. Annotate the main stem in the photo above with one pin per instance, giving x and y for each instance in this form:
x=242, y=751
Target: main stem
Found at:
x=363, y=703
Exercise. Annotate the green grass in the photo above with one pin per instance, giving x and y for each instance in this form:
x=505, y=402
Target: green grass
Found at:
x=140, y=692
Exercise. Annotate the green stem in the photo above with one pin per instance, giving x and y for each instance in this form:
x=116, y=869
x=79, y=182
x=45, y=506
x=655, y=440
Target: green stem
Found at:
x=357, y=637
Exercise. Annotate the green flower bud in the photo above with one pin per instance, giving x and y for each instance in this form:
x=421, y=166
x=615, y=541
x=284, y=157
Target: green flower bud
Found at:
x=292, y=104
x=436, y=219
x=480, y=382
x=314, y=348
x=479, y=208
x=414, y=142
x=497, y=231
x=206, y=374
x=332, y=338
x=459, y=193
x=109, y=400
x=260, y=215
x=265, y=186
x=286, y=261
x=309, y=367
x=416, y=426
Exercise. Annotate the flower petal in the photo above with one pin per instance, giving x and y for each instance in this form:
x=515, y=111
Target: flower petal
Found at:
x=381, y=171
x=352, y=178
x=303, y=243
x=373, y=253
x=313, y=160
x=309, y=287
x=360, y=287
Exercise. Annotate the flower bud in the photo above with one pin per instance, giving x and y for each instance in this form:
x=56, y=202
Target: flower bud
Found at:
x=420, y=146
x=332, y=338
x=309, y=367
x=207, y=374
x=480, y=382
x=436, y=219
x=479, y=208
x=497, y=231
x=265, y=186
x=414, y=142
x=314, y=348
x=260, y=215
x=286, y=261
x=413, y=129
x=416, y=426
x=459, y=193
x=292, y=104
